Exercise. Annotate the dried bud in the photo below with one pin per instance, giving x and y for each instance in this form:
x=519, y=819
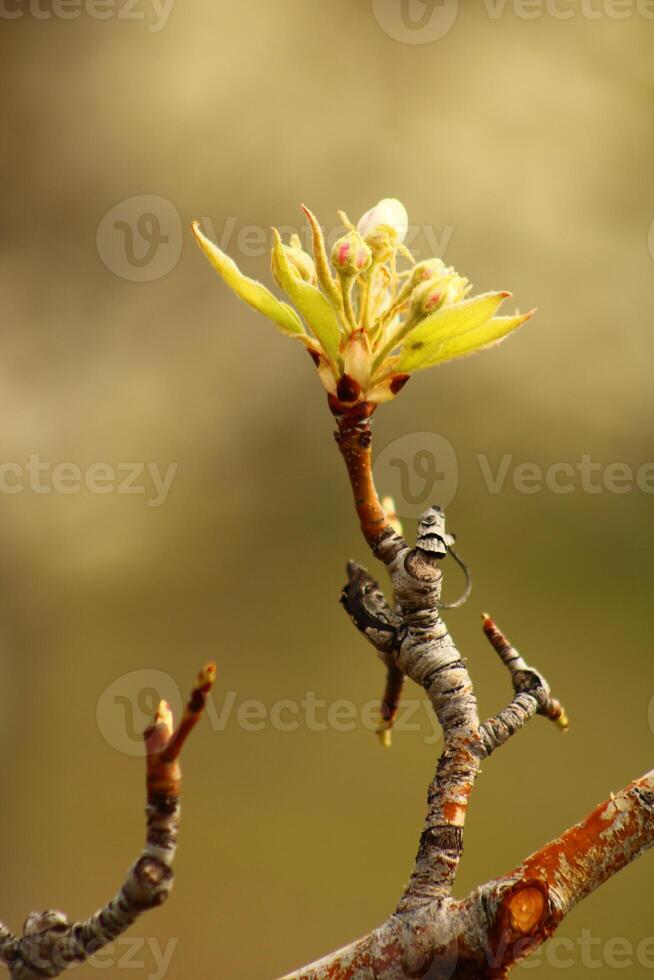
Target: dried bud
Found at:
x=350, y=255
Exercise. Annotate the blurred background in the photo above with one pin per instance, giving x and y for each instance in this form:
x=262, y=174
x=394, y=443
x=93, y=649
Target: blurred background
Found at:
x=520, y=139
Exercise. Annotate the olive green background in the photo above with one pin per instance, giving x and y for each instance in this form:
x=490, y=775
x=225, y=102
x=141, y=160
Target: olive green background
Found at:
x=527, y=144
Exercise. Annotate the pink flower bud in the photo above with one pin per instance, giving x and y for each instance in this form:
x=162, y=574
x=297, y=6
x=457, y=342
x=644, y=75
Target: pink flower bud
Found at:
x=427, y=298
x=350, y=255
x=427, y=269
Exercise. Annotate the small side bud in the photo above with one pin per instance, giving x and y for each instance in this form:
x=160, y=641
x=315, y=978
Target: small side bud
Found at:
x=426, y=298
x=427, y=269
x=429, y=296
x=299, y=260
x=350, y=255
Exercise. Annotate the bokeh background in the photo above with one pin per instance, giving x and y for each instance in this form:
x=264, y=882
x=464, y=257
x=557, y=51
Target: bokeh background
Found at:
x=522, y=146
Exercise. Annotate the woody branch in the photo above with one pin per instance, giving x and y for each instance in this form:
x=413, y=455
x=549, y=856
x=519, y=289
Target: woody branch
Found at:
x=49, y=943
x=488, y=933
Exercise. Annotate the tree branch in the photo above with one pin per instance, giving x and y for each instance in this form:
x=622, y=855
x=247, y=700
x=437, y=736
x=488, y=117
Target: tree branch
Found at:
x=488, y=933
x=50, y=944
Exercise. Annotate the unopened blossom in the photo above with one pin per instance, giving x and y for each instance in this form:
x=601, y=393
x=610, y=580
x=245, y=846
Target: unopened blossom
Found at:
x=368, y=324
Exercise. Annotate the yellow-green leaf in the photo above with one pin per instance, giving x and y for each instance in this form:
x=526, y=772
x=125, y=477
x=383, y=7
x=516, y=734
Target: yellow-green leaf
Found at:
x=423, y=343
x=250, y=291
x=482, y=337
x=323, y=270
x=316, y=309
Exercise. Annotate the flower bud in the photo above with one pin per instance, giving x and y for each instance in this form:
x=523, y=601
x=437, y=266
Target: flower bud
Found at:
x=427, y=269
x=350, y=255
x=390, y=215
x=299, y=260
x=427, y=298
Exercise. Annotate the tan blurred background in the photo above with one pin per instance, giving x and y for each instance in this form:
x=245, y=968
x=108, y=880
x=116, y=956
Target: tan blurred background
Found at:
x=522, y=145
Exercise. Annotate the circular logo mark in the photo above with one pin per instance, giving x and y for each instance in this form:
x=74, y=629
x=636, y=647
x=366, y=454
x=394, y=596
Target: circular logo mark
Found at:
x=127, y=707
x=140, y=238
x=417, y=470
x=416, y=21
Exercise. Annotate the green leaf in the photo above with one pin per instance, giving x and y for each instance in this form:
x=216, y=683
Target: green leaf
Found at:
x=423, y=343
x=250, y=291
x=480, y=338
x=323, y=270
x=316, y=309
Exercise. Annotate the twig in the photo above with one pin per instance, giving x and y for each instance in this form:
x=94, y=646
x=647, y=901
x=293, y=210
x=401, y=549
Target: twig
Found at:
x=50, y=944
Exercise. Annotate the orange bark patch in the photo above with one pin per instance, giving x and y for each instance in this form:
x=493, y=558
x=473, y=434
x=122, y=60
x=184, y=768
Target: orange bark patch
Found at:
x=526, y=909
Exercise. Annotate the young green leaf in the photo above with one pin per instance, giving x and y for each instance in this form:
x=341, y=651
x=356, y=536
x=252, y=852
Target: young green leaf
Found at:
x=250, y=291
x=325, y=277
x=480, y=338
x=424, y=342
x=316, y=309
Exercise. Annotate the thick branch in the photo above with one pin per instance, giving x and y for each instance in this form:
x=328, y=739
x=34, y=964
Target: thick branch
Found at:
x=487, y=934
x=50, y=943
x=499, y=924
